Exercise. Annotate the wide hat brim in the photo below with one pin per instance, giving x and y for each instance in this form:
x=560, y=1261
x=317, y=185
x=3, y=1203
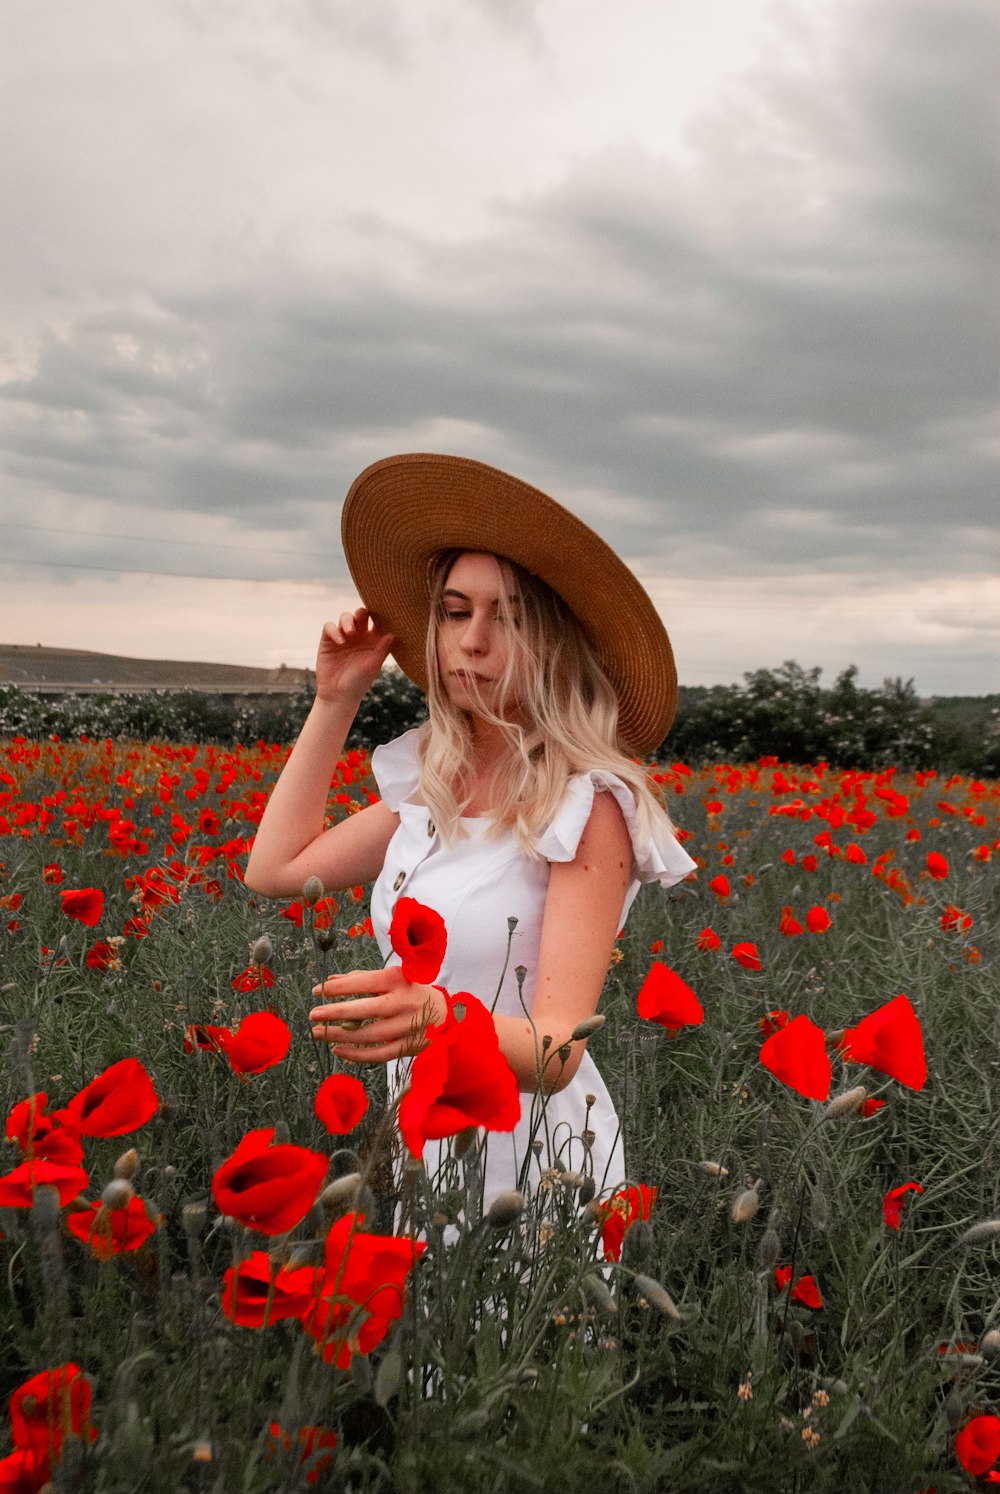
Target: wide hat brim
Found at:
x=402, y=512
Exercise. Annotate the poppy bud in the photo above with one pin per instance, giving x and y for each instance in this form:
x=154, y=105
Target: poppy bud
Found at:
x=638, y=1244
x=595, y=1289
x=769, y=1249
x=465, y=1140
x=846, y=1103
x=341, y=1193
x=745, y=1206
x=505, y=1208
x=193, y=1218
x=657, y=1296
x=127, y=1165
x=587, y=1028
x=977, y=1234
x=262, y=952
x=45, y=1207
x=989, y=1344
x=587, y=1190
x=282, y=1135
x=117, y=1194
x=714, y=1169
x=312, y=890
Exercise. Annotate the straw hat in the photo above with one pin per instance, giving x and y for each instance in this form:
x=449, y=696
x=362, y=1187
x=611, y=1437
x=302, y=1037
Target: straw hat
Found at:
x=402, y=512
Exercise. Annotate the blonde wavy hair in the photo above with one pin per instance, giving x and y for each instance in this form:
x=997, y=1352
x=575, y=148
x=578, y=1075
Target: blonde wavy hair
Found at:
x=554, y=708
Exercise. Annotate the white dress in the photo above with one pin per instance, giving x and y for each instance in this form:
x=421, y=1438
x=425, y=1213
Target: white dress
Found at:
x=478, y=885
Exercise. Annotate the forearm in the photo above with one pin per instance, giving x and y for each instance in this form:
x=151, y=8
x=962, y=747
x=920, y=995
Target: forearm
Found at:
x=540, y=1060
x=295, y=813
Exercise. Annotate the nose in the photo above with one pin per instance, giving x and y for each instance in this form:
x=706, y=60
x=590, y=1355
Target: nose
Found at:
x=475, y=635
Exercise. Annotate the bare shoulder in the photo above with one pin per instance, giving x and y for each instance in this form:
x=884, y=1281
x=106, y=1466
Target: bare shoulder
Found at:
x=605, y=830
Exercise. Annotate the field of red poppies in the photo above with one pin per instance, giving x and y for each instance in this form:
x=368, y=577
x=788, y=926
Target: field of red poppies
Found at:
x=225, y=1267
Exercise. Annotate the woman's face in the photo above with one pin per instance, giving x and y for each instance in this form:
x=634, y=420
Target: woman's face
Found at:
x=473, y=640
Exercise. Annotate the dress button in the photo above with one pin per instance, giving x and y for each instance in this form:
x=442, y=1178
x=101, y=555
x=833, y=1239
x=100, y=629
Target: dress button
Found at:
x=399, y=882
x=431, y=827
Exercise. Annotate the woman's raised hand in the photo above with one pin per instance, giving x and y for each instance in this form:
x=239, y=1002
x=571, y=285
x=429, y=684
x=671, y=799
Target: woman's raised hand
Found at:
x=350, y=656
x=394, y=1011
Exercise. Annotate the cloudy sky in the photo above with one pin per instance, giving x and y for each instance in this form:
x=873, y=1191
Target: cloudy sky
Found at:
x=718, y=274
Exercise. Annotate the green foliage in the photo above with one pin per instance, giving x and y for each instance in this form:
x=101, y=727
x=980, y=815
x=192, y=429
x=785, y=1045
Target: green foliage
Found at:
x=788, y=714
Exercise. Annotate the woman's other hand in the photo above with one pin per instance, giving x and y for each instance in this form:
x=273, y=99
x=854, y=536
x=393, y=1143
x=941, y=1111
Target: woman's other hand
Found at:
x=395, y=1012
x=351, y=654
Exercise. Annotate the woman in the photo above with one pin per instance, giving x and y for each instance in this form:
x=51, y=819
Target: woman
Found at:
x=517, y=811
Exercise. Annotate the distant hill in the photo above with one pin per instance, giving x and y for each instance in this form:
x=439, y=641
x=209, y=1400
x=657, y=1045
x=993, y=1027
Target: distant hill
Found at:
x=78, y=671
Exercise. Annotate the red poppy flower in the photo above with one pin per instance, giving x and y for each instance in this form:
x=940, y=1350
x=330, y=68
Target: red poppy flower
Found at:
x=620, y=1213
x=809, y=863
x=261, y=1040
x=255, y=1295
x=17, y=1188
x=85, y=904
x=977, y=1445
x=119, y=1100
x=720, y=885
x=51, y=1406
x=266, y=1187
x=708, y=940
x=311, y=1444
x=204, y=1036
x=796, y=1054
x=363, y=1290
x=295, y=912
x=955, y=919
x=656, y=947
x=667, y=999
x=805, y=1289
x=773, y=1022
x=890, y=1040
x=856, y=855
x=817, y=920
x=20, y=1471
x=937, y=865
x=789, y=925
x=252, y=978
x=892, y=1203
x=101, y=956
x=38, y=1135
x=460, y=1079
x=419, y=937
x=53, y=873
x=747, y=955
x=340, y=1102
x=108, y=1232
x=870, y=1107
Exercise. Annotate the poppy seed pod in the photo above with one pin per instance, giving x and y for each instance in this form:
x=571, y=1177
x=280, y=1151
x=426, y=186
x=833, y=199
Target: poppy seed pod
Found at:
x=657, y=1296
x=262, y=952
x=505, y=1209
x=745, y=1206
x=193, y=1218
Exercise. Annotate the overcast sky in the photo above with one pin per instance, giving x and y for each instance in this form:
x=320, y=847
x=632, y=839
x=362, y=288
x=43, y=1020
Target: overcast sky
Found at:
x=718, y=274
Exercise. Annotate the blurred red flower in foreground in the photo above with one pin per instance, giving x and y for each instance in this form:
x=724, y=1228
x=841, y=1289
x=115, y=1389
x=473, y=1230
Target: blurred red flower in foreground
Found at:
x=805, y=1289
x=119, y=1100
x=892, y=1203
x=460, y=1079
x=340, y=1102
x=667, y=999
x=796, y=1054
x=110, y=1231
x=620, y=1213
x=310, y=1444
x=255, y=1295
x=890, y=1040
x=747, y=955
x=85, y=904
x=977, y=1445
x=51, y=1406
x=363, y=1289
x=266, y=1187
x=419, y=937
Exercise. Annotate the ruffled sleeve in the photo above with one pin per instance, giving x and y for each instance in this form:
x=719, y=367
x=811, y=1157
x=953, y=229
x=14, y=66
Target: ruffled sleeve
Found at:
x=658, y=857
x=396, y=766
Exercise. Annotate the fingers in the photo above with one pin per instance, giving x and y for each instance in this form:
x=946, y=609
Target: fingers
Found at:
x=361, y=982
x=379, y=1042
x=356, y=627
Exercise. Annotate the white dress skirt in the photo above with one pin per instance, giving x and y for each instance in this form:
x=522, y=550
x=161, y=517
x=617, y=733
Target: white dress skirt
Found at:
x=478, y=885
